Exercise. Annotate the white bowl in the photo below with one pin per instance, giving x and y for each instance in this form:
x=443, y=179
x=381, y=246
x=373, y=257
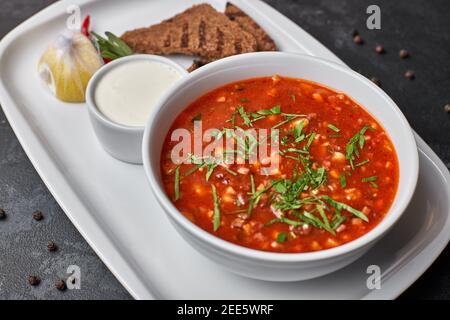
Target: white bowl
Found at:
x=120, y=141
x=268, y=265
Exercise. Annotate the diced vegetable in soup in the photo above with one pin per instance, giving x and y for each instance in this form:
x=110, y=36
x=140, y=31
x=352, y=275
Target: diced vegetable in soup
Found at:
x=331, y=179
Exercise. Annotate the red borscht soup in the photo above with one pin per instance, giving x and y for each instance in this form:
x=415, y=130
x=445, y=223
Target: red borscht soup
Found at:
x=331, y=179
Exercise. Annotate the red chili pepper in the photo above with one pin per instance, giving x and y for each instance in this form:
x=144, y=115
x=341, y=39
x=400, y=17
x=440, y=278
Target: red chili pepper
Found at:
x=85, y=26
x=107, y=60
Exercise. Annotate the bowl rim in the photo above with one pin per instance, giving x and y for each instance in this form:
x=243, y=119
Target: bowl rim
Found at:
x=374, y=234
x=93, y=82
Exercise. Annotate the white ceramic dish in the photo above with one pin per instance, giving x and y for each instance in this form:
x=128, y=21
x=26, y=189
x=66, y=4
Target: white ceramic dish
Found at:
x=266, y=265
x=97, y=191
x=120, y=141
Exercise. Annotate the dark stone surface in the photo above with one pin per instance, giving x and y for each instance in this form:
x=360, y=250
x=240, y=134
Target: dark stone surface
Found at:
x=419, y=26
x=23, y=240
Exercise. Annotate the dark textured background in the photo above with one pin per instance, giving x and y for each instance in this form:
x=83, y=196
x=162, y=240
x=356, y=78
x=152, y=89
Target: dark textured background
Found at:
x=422, y=27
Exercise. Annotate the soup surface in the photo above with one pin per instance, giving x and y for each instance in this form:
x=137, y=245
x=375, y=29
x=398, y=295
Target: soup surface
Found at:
x=332, y=177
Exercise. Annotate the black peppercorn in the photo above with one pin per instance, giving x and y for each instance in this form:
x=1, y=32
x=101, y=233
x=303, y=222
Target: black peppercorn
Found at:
x=34, y=280
x=60, y=285
x=38, y=216
x=379, y=49
x=51, y=246
x=357, y=39
x=410, y=75
x=403, y=54
x=2, y=214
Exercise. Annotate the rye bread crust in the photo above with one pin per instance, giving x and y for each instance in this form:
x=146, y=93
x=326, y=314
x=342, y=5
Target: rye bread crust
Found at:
x=263, y=40
x=199, y=31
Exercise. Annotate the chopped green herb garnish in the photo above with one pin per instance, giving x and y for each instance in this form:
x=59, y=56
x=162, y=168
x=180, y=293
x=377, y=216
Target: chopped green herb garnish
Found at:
x=371, y=180
x=177, y=183
x=252, y=201
x=289, y=118
x=318, y=176
x=230, y=171
x=266, y=112
x=296, y=201
x=309, y=218
x=289, y=190
x=362, y=163
x=245, y=116
x=210, y=163
x=252, y=183
x=338, y=219
x=210, y=170
x=282, y=237
x=293, y=97
x=293, y=114
x=261, y=114
x=340, y=206
x=333, y=127
x=285, y=220
x=343, y=180
x=310, y=140
x=256, y=195
x=294, y=150
x=358, y=140
x=291, y=157
x=334, y=136
x=257, y=117
x=216, y=217
x=320, y=221
x=298, y=128
x=199, y=163
x=326, y=221
x=193, y=169
x=233, y=120
x=276, y=109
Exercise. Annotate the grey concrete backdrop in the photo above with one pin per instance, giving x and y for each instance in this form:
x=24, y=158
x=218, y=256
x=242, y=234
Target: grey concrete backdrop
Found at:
x=422, y=27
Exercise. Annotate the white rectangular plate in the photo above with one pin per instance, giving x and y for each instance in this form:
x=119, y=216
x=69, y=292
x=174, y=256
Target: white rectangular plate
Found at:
x=113, y=207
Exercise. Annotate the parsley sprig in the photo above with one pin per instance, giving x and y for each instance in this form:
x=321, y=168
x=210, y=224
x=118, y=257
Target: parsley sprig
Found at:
x=210, y=163
x=112, y=47
x=371, y=180
x=355, y=143
x=255, y=195
x=216, y=217
x=177, y=183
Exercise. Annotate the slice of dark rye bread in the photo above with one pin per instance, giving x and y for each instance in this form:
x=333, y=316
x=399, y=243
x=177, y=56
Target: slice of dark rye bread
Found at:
x=199, y=31
x=264, y=42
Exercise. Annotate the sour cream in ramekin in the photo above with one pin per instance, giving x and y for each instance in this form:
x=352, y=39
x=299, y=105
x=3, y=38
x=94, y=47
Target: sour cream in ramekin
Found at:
x=121, y=96
x=128, y=92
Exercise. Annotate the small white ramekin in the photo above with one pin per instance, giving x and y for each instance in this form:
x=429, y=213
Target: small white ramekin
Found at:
x=120, y=141
x=268, y=265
